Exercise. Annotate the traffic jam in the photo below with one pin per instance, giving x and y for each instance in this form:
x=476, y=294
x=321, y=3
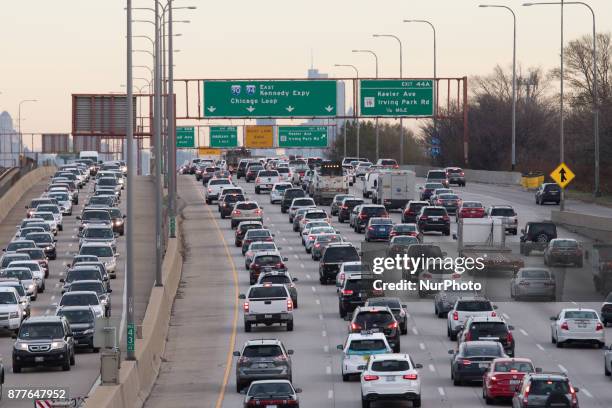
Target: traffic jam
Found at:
x=56, y=272
x=311, y=241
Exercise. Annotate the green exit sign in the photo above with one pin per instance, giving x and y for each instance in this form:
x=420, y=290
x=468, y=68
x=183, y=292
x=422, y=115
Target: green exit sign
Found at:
x=131, y=337
x=396, y=98
x=223, y=136
x=302, y=136
x=185, y=137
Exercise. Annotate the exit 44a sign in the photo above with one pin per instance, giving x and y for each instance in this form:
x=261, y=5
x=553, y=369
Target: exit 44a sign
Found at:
x=397, y=98
x=302, y=136
x=252, y=99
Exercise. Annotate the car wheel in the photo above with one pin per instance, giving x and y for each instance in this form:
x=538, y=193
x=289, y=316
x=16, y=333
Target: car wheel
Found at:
x=16, y=368
x=607, y=371
x=66, y=365
x=456, y=382
x=404, y=330
x=365, y=403
x=447, y=232
x=345, y=377
x=579, y=264
x=72, y=360
x=416, y=402
x=290, y=325
x=341, y=310
x=247, y=327
x=453, y=335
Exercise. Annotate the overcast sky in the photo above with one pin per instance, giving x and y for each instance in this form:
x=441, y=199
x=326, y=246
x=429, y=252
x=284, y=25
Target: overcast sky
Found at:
x=51, y=49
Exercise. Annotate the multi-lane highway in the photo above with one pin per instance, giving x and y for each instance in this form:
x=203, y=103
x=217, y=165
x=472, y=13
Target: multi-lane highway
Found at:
x=318, y=327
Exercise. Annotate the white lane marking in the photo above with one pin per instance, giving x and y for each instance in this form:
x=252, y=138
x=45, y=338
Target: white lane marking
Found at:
x=441, y=391
x=271, y=225
x=330, y=394
x=291, y=248
x=68, y=253
x=72, y=237
x=318, y=302
x=328, y=370
x=524, y=332
x=505, y=316
x=61, y=273
x=76, y=229
x=432, y=368
x=562, y=368
x=415, y=331
x=296, y=256
x=52, y=298
x=320, y=317
x=301, y=265
x=70, y=244
x=47, y=311
x=57, y=285
x=284, y=239
x=586, y=392
x=538, y=345
x=408, y=315
x=422, y=346
x=313, y=289
x=308, y=276
x=324, y=333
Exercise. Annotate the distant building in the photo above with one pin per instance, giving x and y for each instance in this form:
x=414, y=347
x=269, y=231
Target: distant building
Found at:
x=9, y=141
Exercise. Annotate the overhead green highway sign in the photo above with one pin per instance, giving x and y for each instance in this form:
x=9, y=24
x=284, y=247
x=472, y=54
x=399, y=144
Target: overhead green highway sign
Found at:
x=396, y=98
x=302, y=136
x=252, y=99
x=185, y=137
x=223, y=136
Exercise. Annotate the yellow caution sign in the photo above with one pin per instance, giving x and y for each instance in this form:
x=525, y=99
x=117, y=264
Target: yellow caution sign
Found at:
x=259, y=137
x=207, y=151
x=562, y=175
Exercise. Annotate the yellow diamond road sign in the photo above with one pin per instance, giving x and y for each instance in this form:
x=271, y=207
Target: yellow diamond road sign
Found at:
x=562, y=175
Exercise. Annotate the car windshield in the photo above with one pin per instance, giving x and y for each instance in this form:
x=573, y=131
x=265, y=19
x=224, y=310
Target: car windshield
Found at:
x=474, y=306
x=303, y=202
x=381, y=221
x=476, y=350
x=99, y=233
x=96, y=216
x=88, y=286
x=45, y=216
x=261, y=351
x=246, y=227
x=434, y=212
x=258, y=233
x=436, y=175
x=390, y=365
x=107, y=181
x=513, y=366
x=580, y=314
x=50, y=208
x=59, y=196
x=99, y=251
x=21, y=273
x=18, y=287
x=77, y=316
x=281, y=187
x=433, y=186
x=448, y=197
x=503, y=212
x=35, y=254
x=356, y=267
x=217, y=182
x=339, y=198
x=262, y=246
x=358, y=285
x=79, y=299
x=552, y=187
x=14, y=246
x=282, y=170
x=392, y=304
x=270, y=389
x=548, y=386
x=39, y=238
x=388, y=162
x=233, y=198
x=374, y=318
x=263, y=292
x=34, y=331
x=565, y=243
x=352, y=203
x=7, y=298
x=373, y=211
x=470, y=204
x=494, y=328
x=82, y=274
x=268, y=173
x=404, y=240
x=535, y=274
x=315, y=215
x=7, y=259
x=104, y=200
x=405, y=228
x=322, y=230
x=328, y=238
x=341, y=254
x=367, y=345
x=267, y=259
x=247, y=206
x=281, y=279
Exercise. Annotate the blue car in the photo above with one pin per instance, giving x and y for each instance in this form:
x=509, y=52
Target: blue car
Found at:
x=378, y=229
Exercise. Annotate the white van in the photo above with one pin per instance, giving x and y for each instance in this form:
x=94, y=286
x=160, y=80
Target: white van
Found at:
x=89, y=154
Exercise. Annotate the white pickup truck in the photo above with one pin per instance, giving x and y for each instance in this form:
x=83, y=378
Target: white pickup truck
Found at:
x=267, y=304
x=214, y=187
x=266, y=179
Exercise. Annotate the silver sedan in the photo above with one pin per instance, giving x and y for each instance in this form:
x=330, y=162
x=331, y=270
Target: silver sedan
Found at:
x=533, y=283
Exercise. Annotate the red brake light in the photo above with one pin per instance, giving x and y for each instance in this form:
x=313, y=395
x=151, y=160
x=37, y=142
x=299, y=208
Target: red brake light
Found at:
x=345, y=207
x=564, y=326
x=245, y=306
x=347, y=292
x=317, y=245
x=258, y=180
x=455, y=316
x=509, y=337
x=410, y=377
x=289, y=304
x=526, y=395
x=466, y=362
x=258, y=211
x=370, y=228
x=236, y=212
x=362, y=216
x=355, y=326
x=369, y=377
x=392, y=325
x=209, y=190
x=424, y=218
x=445, y=218
x=493, y=314
x=599, y=326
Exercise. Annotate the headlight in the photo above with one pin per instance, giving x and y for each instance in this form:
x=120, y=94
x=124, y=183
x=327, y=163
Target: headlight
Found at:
x=13, y=315
x=104, y=301
x=88, y=331
x=57, y=345
x=21, y=346
x=31, y=287
x=48, y=248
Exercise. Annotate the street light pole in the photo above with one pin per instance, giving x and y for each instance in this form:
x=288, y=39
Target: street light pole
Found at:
x=401, y=76
x=376, y=120
x=158, y=153
x=171, y=129
x=513, y=78
x=356, y=113
x=129, y=266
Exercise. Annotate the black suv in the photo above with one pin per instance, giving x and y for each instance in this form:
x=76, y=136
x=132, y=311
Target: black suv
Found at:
x=44, y=341
x=367, y=212
x=536, y=236
x=545, y=390
x=377, y=318
x=227, y=204
x=333, y=257
x=434, y=219
x=241, y=171
x=354, y=292
x=488, y=328
x=243, y=227
x=345, y=208
x=548, y=192
x=252, y=170
x=82, y=322
x=288, y=197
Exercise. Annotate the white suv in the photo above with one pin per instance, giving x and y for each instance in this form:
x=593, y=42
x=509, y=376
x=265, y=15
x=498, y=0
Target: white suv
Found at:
x=508, y=216
x=11, y=309
x=390, y=377
x=265, y=180
x=277, y=191
x=464, y=308
x=357, y=350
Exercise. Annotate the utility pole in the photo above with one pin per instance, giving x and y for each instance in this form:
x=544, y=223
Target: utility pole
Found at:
x=171, y=129
x=158, y=155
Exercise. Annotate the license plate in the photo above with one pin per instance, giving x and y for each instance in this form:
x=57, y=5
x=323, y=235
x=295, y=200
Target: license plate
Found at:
x=435, y=218
x=382, y=229
x=483, y=365
x=390, y=378
x=268, y=316
x=271, y=406
x=262, y=365
x=582, y=326
x=39, y=359
x=515, y=382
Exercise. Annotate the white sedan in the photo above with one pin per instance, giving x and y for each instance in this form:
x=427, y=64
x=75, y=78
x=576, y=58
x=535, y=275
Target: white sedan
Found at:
x=577, y=325
x=390, y=377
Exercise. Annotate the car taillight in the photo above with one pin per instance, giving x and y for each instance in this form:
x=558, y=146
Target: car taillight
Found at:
x=370, y=228
x=289, y=304
x=564, y=326
x=468, y=336
x=466, y=362
x=396, y=166
x=347, y=292
x=258, y=211
x=209, y=190
x=493, y=379
x=355, y=326
x=526, y=395
x=424, y=218
x=573, y=393
x=255, y=266
x=311, y=238
x=236, y=212
x=509, y=337
x=257, y=180
x=493, y=314
x=317, y=245
x=344, y=207
x=280, y=265
x=438, y=202
x=392, y=325
x=363, y=216
x=280, y=358
x=455, y=316
x=245, y=306
x=445, y=218
x=393, y=233
x=410, y=376
x=243, y=360
x=599, y=326
x=369, y=377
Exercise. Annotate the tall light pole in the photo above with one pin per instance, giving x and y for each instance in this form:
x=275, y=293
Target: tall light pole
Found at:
x=354, y=107
x=401, y=76
x=171, y=129
x=129, y=272
x=376, y=120
x=513, y=78
x=435, y=74
x=596, y=190
x=561, y=121
x=19, y=122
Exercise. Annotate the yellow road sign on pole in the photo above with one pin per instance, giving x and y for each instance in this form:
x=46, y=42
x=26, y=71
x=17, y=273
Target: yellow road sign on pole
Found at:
x=207, y=151
x=562, y=175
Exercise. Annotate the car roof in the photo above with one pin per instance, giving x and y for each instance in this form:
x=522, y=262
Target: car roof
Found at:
x=365, y=336
x=43, y=319
x=371, y=309
x=485, y=319
x=391, y=356
x=262, y=342
x=80, y=292
x=266, y=253
x=577, y=309
x=96, y=244
x=81, y=307
x=86, y=281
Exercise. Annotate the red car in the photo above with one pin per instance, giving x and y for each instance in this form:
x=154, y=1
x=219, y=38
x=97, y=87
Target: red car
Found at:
x=504, y=377
x=470, y=209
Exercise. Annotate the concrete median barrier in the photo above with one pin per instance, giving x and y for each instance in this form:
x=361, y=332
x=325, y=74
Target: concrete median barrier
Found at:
x=594, y=227
x=474, y=176
x=14, y=194
x=136, y=378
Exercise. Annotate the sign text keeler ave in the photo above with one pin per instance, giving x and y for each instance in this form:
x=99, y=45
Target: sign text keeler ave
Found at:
x=396, y=97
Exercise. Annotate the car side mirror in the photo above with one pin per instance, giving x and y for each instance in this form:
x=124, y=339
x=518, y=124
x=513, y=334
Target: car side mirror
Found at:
x=495, y=307
x=294, y=279
x=109, y=290
x=116, y=235
x=340, y=347
x=455, y=237
x=361, y=368
x=522, y=230
x=404, y=306
x=236, y=354
x=360, y=253
x=62, y=280
x=13, y=336
x=243, y=391
x=451, y=352
x=348, y=318
x=538, y=369
x=510, y=327
x=298, y=390
x=553, y=318
x=242, y=296
x=78, y=217
x=576, y=389
x=124, y=216
x=290, y=352
x=418, y=366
